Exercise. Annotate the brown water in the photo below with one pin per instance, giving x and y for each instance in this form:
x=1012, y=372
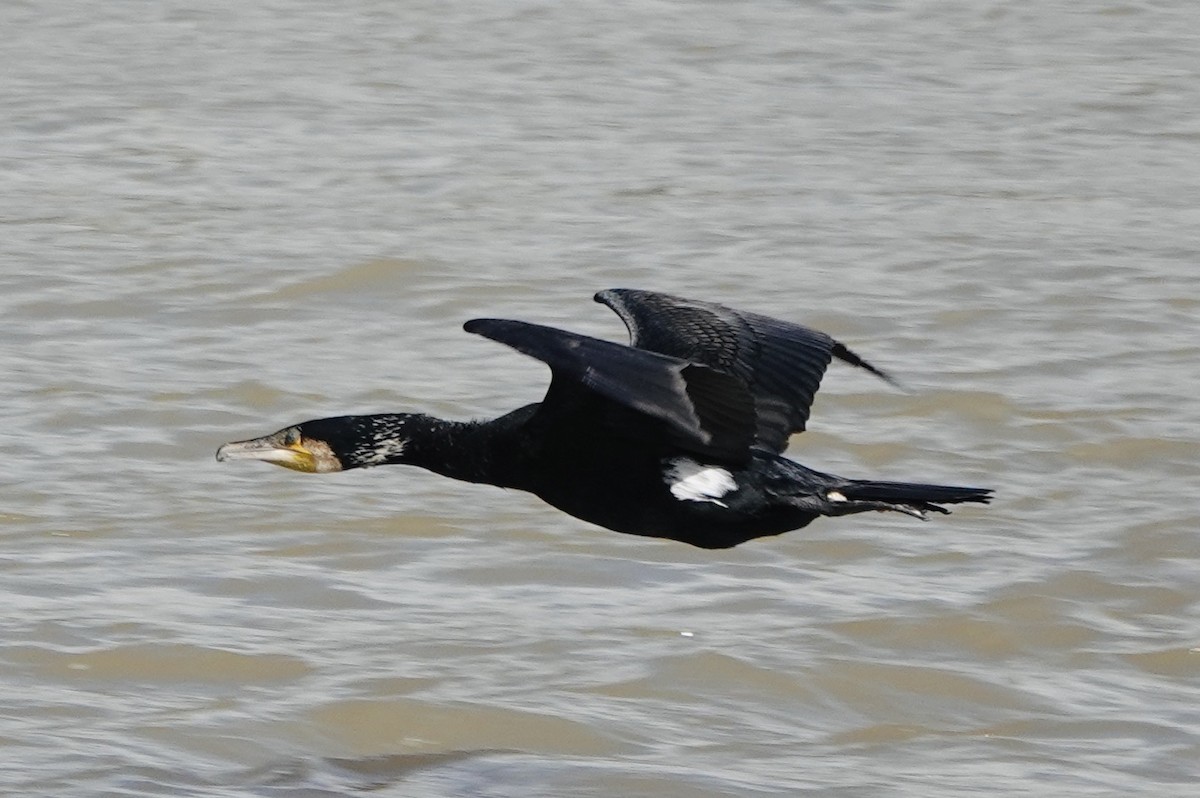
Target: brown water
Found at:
x=224, y=218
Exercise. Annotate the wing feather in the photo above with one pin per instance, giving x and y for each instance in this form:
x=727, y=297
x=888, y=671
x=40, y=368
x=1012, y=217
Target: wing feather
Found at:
x=707, y=411
x=781, y=363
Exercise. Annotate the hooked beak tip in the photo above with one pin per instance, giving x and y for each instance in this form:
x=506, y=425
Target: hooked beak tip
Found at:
x=242, y=450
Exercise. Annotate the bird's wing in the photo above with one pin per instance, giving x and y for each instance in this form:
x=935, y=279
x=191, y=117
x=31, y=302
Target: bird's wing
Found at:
x=781, y=363
x=705, y=410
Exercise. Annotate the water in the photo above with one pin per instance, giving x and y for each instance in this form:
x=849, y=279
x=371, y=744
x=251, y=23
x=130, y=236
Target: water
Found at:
x=221, y=219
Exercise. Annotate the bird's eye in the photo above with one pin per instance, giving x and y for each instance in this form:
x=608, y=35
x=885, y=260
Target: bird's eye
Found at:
x=291, y=437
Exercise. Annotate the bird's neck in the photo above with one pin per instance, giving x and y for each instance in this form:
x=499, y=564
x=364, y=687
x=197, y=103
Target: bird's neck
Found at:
x=473, y=451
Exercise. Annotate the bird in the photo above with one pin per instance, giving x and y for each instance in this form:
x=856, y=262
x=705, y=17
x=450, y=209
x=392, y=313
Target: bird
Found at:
x=678, y=435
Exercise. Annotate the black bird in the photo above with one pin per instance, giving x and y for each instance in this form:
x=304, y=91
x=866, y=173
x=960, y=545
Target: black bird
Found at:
x=676, y=436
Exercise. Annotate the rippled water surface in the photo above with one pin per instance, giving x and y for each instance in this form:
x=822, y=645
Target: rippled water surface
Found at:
x=221, y=218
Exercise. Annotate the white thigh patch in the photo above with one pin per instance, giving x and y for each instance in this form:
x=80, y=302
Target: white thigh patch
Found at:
x=693, y=482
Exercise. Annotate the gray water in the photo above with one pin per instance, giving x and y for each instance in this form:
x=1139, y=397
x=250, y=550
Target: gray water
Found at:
x=221, y=218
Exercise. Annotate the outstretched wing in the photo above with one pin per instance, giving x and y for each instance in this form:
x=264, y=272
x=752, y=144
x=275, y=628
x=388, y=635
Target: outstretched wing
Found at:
x=780, y=363
x=705, y=410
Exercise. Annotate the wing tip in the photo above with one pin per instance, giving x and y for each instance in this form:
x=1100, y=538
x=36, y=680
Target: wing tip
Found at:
x=481, y=326
x=847, y=355
x=610, y=296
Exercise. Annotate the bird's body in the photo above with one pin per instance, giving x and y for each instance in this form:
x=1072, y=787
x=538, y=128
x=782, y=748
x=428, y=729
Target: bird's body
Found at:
x=678, y=436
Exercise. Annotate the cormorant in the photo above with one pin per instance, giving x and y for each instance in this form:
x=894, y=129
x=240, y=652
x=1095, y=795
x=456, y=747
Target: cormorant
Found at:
x=677, y=435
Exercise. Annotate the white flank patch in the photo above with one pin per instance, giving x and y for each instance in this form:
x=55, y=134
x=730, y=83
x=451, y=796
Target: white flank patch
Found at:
x=693, y=482
x=834, y=496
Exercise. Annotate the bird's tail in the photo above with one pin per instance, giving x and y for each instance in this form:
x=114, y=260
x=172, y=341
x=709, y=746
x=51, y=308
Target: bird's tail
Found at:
x=913, y=498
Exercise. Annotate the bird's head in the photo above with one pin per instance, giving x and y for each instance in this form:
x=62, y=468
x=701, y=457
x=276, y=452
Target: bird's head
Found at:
x=328, y=444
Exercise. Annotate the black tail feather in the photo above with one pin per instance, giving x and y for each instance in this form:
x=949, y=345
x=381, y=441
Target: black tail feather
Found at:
x=913, y=495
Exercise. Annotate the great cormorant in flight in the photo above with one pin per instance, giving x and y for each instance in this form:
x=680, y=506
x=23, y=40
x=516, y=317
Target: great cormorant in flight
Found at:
x=678, y=435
